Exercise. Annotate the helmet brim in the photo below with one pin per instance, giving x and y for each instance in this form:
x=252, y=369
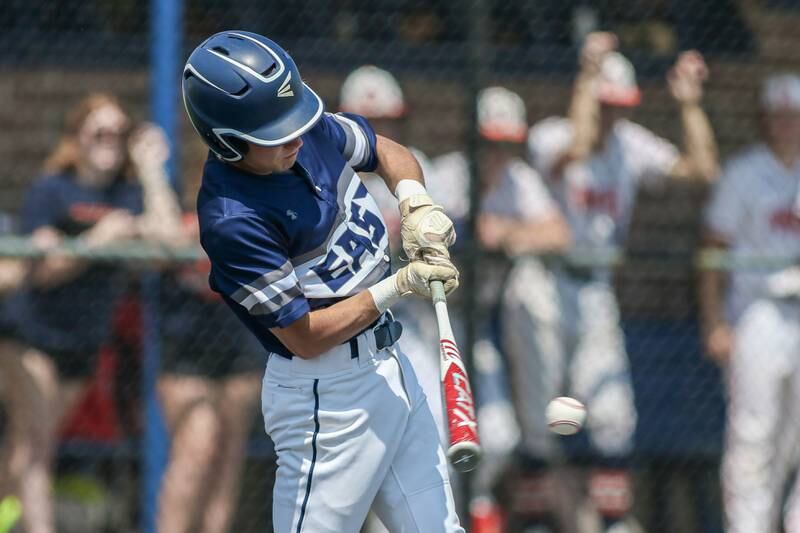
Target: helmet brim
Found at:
x=303, y=116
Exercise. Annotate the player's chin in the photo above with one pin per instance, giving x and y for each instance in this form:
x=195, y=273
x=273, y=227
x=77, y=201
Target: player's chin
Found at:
x=289, y=160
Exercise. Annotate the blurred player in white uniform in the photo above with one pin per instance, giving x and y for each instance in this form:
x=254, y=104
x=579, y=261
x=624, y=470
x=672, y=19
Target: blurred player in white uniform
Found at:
x=752, y=324
x=561, y=325
x=374, y=93
x=516, y=215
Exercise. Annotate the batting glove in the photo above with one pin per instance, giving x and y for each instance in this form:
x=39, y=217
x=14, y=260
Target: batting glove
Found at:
x=415, y=278
x=427, y=232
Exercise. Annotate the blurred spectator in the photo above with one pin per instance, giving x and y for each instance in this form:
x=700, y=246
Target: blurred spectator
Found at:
x=516, y=216
x=568, y=340
x=751, y=318
x=103, y=184
x=209, y=385
x=13, y=454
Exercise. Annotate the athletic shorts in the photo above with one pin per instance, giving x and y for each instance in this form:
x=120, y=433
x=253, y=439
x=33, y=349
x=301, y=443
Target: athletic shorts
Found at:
x=205, y=339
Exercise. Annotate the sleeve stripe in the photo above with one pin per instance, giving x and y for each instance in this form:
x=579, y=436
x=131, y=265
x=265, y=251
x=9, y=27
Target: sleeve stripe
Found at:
x=269, y=292
x=262, y=281
x=257, y=305
x=357, y=151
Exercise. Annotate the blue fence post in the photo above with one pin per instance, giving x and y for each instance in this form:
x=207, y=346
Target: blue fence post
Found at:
x=166, y=36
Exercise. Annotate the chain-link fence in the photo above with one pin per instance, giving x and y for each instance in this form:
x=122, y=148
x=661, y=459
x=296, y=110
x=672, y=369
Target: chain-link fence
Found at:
x=596, y=195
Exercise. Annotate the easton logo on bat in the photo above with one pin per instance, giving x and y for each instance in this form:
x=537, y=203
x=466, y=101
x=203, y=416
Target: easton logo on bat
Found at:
x=458, y=395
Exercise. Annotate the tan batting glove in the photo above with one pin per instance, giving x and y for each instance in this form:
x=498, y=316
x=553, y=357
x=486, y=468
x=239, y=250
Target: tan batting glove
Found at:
x=426, y=230
x=415, y=278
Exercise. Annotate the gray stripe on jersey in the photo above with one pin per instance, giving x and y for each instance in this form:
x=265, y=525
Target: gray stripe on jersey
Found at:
x=350, y=138
x=350, y=142
x=275, y=303
x=356, y=141
x=261, y=282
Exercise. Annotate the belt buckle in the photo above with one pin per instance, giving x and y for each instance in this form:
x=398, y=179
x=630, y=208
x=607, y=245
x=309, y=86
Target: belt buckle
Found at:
x=387, y=333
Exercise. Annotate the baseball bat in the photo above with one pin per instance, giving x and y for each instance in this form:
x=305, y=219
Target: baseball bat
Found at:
x=464, y=451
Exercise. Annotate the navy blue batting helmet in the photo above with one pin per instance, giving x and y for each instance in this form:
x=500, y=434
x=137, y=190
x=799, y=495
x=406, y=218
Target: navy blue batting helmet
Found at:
x=240, y=85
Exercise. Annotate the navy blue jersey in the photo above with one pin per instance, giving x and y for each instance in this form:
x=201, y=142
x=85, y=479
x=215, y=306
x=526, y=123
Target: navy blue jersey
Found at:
x=284, y=244
x=76, y=315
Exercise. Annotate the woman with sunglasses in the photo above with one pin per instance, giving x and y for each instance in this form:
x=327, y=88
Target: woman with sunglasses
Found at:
x=104, y=183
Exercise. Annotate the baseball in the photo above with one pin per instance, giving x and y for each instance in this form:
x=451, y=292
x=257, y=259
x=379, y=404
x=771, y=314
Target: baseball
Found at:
x=565, y=415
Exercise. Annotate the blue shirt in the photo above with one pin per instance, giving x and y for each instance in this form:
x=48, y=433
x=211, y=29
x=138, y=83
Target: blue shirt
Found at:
x=74, y=316
x=283, y=244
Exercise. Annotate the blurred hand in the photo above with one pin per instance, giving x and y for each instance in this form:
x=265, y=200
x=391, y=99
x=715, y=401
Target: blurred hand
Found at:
x=149, y=148
x=117, y=225
x=719, y=343
x=595, y=48
x=686, y=78
x=493, y=231
x=46, y=238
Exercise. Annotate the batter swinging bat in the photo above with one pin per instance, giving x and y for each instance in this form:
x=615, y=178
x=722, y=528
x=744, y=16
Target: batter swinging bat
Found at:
x=465, y=449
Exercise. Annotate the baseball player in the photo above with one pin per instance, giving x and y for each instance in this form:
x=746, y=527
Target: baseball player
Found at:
x=516, y=215
x=751, y=319
x=562, y=325
x=299, y=252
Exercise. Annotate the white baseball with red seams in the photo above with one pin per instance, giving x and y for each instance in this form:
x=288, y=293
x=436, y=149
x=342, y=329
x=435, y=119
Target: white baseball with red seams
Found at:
x=565, y=415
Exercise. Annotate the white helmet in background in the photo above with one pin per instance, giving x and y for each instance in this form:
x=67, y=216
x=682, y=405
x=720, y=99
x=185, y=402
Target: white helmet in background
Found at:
x=618, y=85
x=373, y=93
x=781, y=92
x=502, y=115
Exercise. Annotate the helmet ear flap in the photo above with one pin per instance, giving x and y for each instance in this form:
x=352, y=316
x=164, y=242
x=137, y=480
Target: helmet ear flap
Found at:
x=238, y=144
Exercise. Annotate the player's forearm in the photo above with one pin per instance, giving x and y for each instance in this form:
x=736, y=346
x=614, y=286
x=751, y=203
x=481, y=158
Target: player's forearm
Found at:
x=324, y=329
x=701, y=160
x=161, y=220
x=550, y=235
x=712, y=285
x=711, y=292
x=584, y=112
x=396, y=163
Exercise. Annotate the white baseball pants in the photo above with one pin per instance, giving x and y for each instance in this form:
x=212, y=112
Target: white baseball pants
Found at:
x=562, y=336
x=352, y=433
x=763, y=409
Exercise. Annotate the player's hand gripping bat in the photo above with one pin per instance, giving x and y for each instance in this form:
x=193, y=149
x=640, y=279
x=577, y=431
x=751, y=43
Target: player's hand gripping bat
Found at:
x=465, y=449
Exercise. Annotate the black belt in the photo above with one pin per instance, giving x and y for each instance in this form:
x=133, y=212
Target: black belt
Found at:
x=386, y=333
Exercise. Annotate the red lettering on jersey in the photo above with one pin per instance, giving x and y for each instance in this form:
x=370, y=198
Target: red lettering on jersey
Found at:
x=785, y=219
x=88, y=214
x=602, y=200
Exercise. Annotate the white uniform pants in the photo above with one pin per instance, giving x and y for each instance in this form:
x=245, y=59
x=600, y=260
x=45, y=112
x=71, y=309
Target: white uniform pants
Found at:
x=351, y=433
x=562, y=336
x=761, y=437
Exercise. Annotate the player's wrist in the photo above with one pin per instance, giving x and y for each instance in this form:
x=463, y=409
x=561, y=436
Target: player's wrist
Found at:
x=385, y=293
x=411, y=195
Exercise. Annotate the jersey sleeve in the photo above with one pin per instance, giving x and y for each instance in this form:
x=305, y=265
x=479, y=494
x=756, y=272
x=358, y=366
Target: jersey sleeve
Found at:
x=250, y=266
x=548, y=140
x=41, y=206
x=651, y=157
x=520, y=194
x=355, y=139
x=727, y=210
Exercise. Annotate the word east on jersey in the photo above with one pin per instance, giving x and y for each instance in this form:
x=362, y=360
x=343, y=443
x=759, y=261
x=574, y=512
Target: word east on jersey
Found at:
x=358, y=243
